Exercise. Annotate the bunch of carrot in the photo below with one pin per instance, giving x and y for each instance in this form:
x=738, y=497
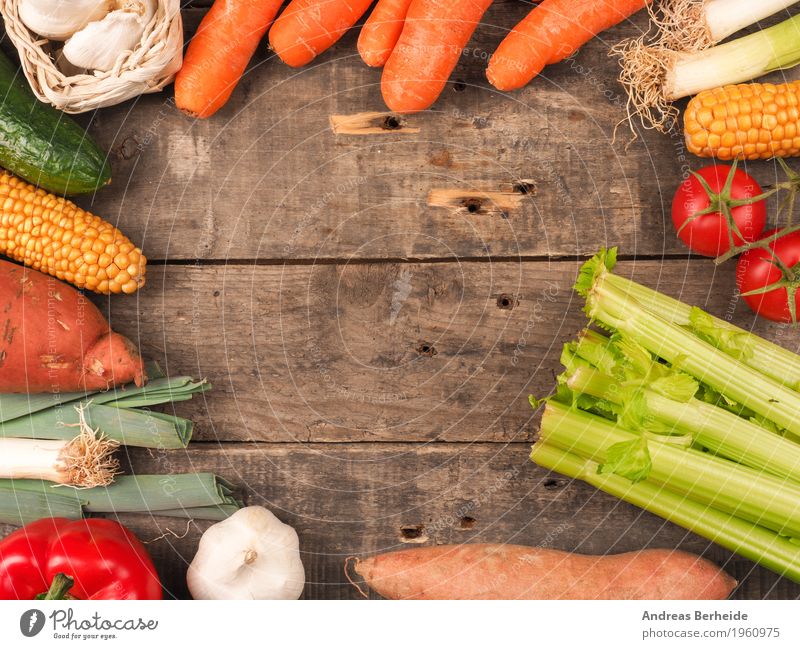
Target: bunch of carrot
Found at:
x=418, y=42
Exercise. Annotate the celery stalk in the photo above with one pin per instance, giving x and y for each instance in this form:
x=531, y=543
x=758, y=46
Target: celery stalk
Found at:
x=746, y=493
x=762, y=355
x=711, y=427
x=684, y=350
x=751, y=541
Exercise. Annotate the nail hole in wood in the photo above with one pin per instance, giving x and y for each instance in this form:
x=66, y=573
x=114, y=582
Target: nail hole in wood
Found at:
x=466, y=523
x=459, y=86
x=216, y=293
x=524, y=188
x=506, y=301
x=391, y=123
x=426, y=349
x=413, y=534
x=473, y=205
x=552, y=484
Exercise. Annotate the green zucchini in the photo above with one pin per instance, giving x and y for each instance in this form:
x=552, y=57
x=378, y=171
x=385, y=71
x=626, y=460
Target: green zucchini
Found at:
x=43, y=145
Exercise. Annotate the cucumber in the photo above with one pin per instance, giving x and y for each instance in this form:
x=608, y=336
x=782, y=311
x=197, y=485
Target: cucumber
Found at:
x=43, y=145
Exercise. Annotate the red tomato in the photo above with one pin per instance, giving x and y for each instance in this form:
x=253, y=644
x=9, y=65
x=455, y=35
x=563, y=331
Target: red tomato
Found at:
x=708, y=234
x=755, y=270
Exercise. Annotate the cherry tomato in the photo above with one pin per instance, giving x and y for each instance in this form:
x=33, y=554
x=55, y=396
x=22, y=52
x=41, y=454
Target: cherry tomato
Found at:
x=756, y=270
x=708, y=234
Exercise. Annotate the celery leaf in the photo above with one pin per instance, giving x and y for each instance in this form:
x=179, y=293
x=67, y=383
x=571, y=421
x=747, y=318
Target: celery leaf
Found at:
x=630, y=460
x=738, y=344
x=678, y=387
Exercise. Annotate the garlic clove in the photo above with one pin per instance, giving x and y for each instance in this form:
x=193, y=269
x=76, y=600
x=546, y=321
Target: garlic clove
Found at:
x=60, y=19
x=98, y=45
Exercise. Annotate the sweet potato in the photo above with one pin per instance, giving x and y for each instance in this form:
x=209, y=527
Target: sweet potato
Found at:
x=488, y=571
x=52, y=339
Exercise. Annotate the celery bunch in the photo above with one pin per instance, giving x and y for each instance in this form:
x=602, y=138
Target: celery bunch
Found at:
x=681, y=414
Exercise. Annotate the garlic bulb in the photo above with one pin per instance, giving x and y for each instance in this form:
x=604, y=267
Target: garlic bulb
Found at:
x=98, y=45
x=60, y=19
x=251, y=555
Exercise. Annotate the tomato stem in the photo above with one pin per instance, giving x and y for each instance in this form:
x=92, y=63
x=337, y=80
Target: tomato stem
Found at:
x=721, y=202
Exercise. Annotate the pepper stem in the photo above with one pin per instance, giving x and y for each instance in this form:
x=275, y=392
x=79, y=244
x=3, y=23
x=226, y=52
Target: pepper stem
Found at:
x=59, y=588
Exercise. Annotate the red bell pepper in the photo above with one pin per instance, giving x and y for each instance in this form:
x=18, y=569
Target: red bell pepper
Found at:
x=103, y=558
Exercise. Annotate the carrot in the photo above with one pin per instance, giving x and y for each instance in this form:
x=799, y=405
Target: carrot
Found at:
x=433, y=38
x=308, y=27
x=489, y=571
x=219, y=53
x=552, y=31
x=381, y=31
x=55, y=340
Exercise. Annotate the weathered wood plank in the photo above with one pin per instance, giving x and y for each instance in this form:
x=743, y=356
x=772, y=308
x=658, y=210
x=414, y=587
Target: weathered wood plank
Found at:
x=364, y=498
x=382, y=352
x=267, y=178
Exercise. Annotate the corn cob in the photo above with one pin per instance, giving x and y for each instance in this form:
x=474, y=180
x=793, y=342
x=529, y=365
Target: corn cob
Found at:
x=55, y=236
x=751, y=120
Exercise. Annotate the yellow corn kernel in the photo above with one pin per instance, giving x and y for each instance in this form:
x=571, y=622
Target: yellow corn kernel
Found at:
x=55, y=236
x=753, y=120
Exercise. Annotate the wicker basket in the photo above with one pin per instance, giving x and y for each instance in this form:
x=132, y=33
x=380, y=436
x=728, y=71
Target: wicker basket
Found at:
x=148, y=68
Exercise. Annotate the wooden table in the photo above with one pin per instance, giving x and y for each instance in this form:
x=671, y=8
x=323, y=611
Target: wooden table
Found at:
x=373, y=306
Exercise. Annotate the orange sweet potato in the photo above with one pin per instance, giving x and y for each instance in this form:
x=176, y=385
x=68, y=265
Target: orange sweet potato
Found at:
x=52, y=339
x=488, y=571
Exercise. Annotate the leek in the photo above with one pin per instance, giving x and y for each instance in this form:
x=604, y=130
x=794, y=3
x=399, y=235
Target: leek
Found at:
x=142, y=493
x=655, y=75
x=688, y=25
x=190, y=495
x=751, y=541
x=84, y=461
x=23, y=507
x=115, y=413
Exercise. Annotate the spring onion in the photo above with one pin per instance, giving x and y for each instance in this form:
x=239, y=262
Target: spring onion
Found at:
x=654, y=75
